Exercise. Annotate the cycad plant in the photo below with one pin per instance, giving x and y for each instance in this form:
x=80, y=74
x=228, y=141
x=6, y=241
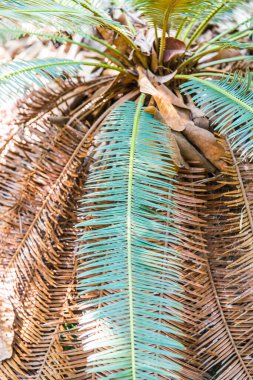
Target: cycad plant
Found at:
x=126, y=199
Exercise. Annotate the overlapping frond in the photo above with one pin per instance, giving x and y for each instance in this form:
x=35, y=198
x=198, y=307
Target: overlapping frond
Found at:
x=71, y=16
x=132, y=322
x=64, y=15
x=232, y=103
x=214, y=8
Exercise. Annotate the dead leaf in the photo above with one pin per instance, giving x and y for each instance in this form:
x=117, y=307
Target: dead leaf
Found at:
x=106, y=34
x=7, y=317
x=59, y=120
x=176, y=155
x=206, y=142
x=198, y=116
x=162, y=79
x=190, y=153
x=174, y=99
x=167, y=110
x=173, y=48
x=121, y=45
x=154, y=60
x=122, y=19
x=143, y=43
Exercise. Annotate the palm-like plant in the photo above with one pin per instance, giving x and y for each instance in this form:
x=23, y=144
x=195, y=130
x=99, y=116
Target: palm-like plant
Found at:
x=164, y=251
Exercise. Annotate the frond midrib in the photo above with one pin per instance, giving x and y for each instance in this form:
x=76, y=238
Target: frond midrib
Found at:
x=129, y=231
x=59, y=63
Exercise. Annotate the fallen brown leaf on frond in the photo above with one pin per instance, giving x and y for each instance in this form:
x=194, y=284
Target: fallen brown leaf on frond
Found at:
x=179, y=117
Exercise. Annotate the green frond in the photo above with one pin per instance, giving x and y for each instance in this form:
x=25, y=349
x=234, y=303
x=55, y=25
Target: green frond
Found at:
x=244, y=28
x=63, y=15
x=11, y=31
x=126, y=256
x=71, y=16
x=214, y=8
x=232, y=103
x=225, y=44
x=238, y=58
x=19, y=77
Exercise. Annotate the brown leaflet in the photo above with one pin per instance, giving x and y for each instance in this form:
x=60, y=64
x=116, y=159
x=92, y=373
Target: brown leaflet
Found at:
x=41, y=101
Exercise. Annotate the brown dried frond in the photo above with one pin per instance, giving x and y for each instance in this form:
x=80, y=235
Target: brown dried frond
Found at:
x=48, y=161
x=214, y=217
x=222, y=287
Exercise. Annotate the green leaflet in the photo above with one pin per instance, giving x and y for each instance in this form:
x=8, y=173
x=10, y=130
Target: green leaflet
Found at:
x=72, y=16
x=174, y=10
x=214, y=8
x=11, y=31
x=232, y=102
x=63, y=15
x=19, y=77
x=126, y=255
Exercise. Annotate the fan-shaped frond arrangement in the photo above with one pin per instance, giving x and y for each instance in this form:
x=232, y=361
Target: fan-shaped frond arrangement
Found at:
x=232, y=103
x=165, y=263
x=193, y=329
